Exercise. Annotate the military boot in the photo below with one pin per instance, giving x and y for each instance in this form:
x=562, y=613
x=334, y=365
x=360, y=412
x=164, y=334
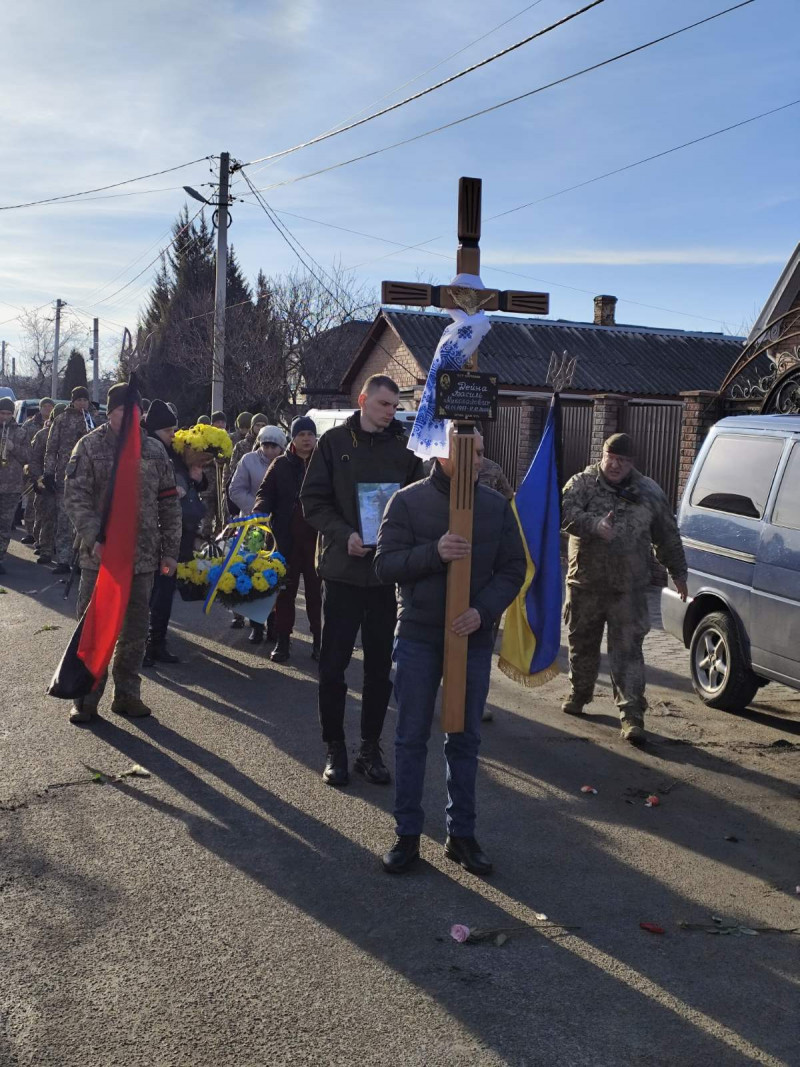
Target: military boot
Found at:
x=632, y=731
x=130, y=706
x=574, y=705
x=81, y=713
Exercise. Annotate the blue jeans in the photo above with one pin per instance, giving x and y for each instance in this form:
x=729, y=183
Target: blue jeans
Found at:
x=419, y=671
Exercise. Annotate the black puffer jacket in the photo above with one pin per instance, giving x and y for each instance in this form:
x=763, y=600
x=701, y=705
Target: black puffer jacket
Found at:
x=278, y=495
x=408, y=554
x=345, y=456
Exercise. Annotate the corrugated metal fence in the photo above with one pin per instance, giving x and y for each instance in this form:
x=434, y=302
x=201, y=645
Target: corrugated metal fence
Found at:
x=656, y=432
x=501, y=438
x=576, y=436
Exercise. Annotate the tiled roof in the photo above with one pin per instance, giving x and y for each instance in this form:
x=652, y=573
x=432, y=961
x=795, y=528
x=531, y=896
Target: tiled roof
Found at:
x=637, y=360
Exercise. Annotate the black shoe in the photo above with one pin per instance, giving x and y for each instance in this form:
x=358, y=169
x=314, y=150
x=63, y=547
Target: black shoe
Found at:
x=369, y=762
x=403, y=853
x=280, y=653
x=256, y=635
x=149, y=659
x=238, y=623
x=60, y=568
x=336, y=772
x=315, y=649
x=272, y=634
x=161, y=654
x=26, y=540
x=44, y=559
x=467, y=852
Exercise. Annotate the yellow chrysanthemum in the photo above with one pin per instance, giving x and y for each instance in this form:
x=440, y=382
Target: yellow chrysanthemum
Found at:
x=227, y=583
x=260, y=583
x=183, y=572
x=279, y=568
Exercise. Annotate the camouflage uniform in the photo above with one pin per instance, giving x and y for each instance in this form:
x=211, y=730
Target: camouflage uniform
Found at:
x=159, y=534
x=491, y=475
x=11, y=478
x=44, y=503
x=607, y=580
x=66, y=431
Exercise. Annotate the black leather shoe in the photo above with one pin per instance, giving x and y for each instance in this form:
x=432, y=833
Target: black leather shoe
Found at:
x=369, y=762
x=315, y=649
x=256, y=635
x=467, y=852
x=149, y=659
x=161, y=654
x=238, y=622
x=60, y=568
x=280, y=653
x=402, y=854
x=26, y=540
x=336, y=772
x=44, y=559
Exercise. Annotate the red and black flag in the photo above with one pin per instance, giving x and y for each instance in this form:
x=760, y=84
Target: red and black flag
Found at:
x=89, y=652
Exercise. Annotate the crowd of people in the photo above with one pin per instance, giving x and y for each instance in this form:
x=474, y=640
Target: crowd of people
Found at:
x=387, y=582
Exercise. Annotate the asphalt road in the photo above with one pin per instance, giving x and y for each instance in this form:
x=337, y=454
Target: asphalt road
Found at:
x=231, y=909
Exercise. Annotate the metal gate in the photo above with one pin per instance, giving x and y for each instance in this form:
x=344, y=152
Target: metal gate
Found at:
x=501, y=438
x=576, y=436
x=656, y=433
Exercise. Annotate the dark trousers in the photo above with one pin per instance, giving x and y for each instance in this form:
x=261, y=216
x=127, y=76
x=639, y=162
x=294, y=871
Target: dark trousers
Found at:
x=419, y=671
x=346, y=609
x=161, y=607
x=300, y=562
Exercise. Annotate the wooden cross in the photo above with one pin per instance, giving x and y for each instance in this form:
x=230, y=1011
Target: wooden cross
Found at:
x=462, y=450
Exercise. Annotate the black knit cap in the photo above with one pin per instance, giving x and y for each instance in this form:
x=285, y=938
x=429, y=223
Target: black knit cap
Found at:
x=619, y=444
x=219, y=416
x=159, y=417
x=80, y=392
x=118, y=394
x=7, y=404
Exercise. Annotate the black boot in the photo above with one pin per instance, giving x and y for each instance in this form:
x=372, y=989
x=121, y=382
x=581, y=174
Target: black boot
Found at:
x=60, y=568
x=256, y=635
x=315, y=649
x=280, y=653
x=369, y=762
x=336, y=772
x=26, y=540
x=238, y=622
x=161, y=654
x=44, y=559
x=402, y=854
x=467, y=852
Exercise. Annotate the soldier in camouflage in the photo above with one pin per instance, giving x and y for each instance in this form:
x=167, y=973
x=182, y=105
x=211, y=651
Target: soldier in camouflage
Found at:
x=32, y=426
x=44, y=501
x=88, y=476
x=14, y=451
x=615, y=517
x=73, y=424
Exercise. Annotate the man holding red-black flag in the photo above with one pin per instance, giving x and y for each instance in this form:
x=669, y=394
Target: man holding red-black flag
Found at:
x=120, y=496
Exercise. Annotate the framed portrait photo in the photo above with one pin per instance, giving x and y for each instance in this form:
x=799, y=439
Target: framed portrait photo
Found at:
x=372, y=500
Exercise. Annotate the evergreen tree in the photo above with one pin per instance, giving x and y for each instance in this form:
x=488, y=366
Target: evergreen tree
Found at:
x=74, y=373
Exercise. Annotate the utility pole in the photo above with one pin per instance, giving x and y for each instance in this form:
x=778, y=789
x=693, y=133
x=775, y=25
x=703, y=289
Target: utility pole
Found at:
x=56, y=340
x=3, y=371
x=220, y=292
x=13, y=373
x=96, y=360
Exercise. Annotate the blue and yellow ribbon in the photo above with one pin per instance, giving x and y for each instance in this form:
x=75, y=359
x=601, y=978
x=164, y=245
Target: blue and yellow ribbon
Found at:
x=244, y=526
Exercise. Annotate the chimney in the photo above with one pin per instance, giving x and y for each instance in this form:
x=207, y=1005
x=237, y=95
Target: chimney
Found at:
x=604, y=310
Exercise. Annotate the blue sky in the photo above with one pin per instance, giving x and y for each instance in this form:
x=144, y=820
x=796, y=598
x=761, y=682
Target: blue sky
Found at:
x=97, y=92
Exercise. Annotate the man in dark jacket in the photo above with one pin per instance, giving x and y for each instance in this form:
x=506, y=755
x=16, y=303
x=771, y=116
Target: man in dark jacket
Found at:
x=279, y=497
x=160, y=424
x=367, y=454
x=414, y=548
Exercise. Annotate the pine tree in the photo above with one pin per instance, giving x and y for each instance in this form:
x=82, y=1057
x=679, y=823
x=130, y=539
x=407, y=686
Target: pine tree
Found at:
x=74, y=373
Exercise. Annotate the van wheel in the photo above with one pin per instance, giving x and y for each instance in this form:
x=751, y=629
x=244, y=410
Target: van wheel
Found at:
x=720, y=675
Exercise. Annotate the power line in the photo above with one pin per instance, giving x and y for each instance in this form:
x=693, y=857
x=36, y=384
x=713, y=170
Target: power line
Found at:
x=103, y=188
x=431, y=88
x=428, y=70
x=505, y=103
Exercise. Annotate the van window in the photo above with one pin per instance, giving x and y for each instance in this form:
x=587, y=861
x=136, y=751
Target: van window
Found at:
x=787, y=504
x=737, y=475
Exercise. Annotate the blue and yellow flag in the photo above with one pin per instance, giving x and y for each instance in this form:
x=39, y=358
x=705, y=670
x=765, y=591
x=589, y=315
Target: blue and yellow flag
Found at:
x=532, y=630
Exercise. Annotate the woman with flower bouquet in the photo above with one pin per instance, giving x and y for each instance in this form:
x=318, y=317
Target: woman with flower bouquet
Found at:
x=190, y=451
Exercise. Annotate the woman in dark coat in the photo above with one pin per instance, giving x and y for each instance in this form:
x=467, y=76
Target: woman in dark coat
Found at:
x=279, y=497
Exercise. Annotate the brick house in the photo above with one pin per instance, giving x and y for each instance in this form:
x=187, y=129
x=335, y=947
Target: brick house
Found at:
x=630, y=378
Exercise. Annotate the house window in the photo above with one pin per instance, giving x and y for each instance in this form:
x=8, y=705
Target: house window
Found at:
x=737, y=474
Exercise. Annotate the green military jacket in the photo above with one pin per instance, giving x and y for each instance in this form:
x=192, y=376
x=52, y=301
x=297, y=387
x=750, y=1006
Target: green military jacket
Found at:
x=66, y=431
x=36, y=460
x=86, y=489
x=15, y=448
x=643, y=521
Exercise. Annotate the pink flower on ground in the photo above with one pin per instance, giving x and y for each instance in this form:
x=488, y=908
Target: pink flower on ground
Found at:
x=588, y=789
x=652, y=801
x=459, y=933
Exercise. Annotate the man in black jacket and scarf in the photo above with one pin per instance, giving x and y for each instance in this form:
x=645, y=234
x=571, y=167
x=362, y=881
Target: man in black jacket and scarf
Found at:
x=414, y=549
x=364, y=456
x=279, y=497
x=160, y=423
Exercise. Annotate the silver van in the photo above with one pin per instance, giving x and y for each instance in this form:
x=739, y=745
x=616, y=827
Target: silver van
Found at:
x=740, y=523
x=327, y=418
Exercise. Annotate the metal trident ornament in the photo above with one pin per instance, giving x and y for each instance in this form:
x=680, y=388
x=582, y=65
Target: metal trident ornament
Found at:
x=561, y=371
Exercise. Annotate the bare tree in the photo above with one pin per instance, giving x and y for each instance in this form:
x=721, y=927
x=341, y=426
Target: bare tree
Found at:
x=37, y=328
